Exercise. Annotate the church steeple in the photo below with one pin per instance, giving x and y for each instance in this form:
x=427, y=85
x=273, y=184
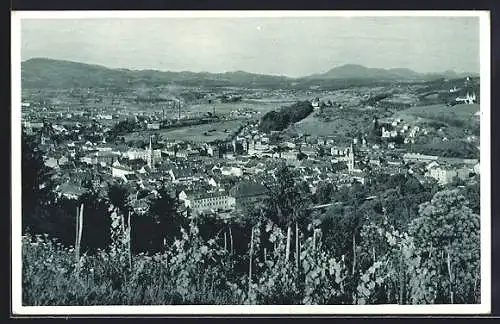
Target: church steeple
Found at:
x=350, y=162
x=150, y=154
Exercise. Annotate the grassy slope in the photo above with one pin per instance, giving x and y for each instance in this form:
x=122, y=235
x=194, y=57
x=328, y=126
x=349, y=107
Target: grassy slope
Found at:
x=342, y=123
x=460, y=112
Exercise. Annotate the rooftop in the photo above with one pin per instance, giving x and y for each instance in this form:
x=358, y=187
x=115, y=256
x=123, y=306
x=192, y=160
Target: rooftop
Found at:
x=248, y=189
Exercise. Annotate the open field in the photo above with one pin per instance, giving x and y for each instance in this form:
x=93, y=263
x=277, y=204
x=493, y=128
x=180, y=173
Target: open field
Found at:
x=197, y=133
x=438, y=112
x=226, y=108
x=341, y=124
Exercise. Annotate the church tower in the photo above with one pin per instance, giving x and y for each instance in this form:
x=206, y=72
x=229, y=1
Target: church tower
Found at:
x=350, y=157
x=150, y=154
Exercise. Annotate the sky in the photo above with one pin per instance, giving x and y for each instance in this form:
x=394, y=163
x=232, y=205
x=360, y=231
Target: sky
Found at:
x=291, y=46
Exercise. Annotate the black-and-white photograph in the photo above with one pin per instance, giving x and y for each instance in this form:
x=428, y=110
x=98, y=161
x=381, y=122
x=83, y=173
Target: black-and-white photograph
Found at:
x=232, y=158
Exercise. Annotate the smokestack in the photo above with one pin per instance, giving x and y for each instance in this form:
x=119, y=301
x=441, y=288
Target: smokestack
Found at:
x=179, y=103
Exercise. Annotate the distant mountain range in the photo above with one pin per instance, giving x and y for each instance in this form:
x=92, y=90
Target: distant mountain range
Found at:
x=43, y=72
x=354, y=71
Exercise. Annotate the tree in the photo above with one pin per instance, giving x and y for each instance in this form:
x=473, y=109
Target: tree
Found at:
x=446, y=238
x=37, y=187
x=472, y=193
x=288, y=203
x=164, y=212
x=324, y=192
x=279, y=120
x=118, y=197
x=120, y=222
x=376, y=128
x=301, y=156
x=96, y=222
x=322, y=151
x=122, y=127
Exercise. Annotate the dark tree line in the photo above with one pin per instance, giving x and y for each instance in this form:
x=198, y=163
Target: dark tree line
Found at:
x=278, y=120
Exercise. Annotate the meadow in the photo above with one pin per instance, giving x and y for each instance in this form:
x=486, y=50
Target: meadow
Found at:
x=226, y=108
x=444, y=113
x=197, y=133
x=341, y=124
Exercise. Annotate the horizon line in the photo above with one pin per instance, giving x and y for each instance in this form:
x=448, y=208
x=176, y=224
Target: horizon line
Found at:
x=458, y=73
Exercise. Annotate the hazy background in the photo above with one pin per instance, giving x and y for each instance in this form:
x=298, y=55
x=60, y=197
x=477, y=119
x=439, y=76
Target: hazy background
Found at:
x=282, y=46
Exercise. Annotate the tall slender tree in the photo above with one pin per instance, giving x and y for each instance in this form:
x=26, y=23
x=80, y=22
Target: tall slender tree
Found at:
x=164, y=211
x=37, y=187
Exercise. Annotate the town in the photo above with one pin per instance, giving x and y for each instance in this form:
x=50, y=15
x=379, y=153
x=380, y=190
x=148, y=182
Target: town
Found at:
x=96, y=141
x=245, y=189
x=224, y=158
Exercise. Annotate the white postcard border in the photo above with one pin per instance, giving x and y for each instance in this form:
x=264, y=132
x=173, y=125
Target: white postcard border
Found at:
x=485, y=170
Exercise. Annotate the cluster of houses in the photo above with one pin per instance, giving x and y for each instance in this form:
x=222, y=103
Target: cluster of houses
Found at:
x=444, y=170
x=206, y=179
x=468, y=99
x=399, y=128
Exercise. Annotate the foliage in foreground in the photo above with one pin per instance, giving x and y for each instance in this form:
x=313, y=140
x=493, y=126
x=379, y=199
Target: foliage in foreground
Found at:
x=435, y=261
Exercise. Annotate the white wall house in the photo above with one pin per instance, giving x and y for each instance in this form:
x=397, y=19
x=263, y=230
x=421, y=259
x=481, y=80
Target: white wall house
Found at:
x=119, y=171
x=207, y=201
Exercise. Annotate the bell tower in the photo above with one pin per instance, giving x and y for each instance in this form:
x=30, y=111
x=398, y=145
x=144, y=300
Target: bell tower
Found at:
x=150, y=154
x=350, y=159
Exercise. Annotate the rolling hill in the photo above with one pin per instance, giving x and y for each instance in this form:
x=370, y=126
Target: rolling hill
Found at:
x=50, y=73
x=355, y=71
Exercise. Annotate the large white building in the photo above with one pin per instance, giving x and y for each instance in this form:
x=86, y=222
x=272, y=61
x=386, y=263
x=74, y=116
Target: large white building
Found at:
x=149, y=155
x=416, y=157
x=257, y=148
x=120, y=171
x=445, y=175
x=231, y=171
x=468, y=99
x=200, y=202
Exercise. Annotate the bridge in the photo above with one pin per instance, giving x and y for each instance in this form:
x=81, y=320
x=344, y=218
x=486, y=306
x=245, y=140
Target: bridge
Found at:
x=335, y=203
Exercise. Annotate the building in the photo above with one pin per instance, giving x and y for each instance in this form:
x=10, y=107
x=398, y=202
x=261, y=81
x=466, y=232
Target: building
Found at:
x=315, y=103
x=131, y=177
x=336, y=151
x=416, y=157
x=248, y=193
x=31, y=127
x=182, y=175
x=231, y=171
x=70, y=190
x=140, y=206
x=200, y=202
x=385, y=133
x=468, y=99
x=257, y=148
x=119, y=171
x=350, y=159
x=153, y=126
x=446, y=174
x=105, y=157
x=149, y=155
x=105, y=117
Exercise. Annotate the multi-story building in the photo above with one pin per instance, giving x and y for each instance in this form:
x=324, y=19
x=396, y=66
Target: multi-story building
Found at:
x=100, y=157
x=154, y=126
x=200, y=202
x=247, y=193
x=446, y=174
x=120, y=171
x=231, y=171
x=468, y=99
